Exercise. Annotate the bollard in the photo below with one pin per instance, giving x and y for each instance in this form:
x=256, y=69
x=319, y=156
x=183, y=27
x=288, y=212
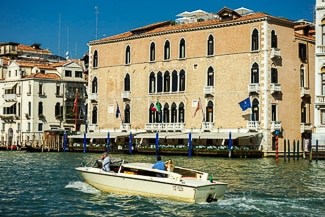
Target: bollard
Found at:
x=284, y=150
x=294, y=150
x=298, y=144
x=276, y=147
x=311, y=151
x=316, y=151
x=288, y=150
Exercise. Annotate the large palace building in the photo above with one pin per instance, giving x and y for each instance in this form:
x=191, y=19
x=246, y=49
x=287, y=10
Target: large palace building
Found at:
x=251, y=74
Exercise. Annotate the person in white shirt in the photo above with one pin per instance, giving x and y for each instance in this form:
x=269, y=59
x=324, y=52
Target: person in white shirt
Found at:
x=106, y=162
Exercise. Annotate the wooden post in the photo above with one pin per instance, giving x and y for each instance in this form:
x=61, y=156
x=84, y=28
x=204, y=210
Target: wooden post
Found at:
x=276, y=146
x=284, y=150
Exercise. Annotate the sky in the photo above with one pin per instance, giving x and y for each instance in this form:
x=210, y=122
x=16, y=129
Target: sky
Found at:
x=68, y=25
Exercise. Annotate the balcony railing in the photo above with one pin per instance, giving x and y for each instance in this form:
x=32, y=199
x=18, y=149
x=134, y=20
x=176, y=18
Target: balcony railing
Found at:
x=208, y=90
x=125, y=126
x=10, y=97
x=207, y=126
x=93, y=96
x=276, y=126
x=91, y=128
x=164, y=127
x=320, y=101
x=304, y=91
x=305, y=127
x=275, y=88
x=275, y=53
x=253, y=125
x=254, y=88
x=125, y=95
x=321, y=50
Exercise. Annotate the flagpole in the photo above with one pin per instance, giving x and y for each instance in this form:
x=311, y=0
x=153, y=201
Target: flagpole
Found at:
x=76, y=110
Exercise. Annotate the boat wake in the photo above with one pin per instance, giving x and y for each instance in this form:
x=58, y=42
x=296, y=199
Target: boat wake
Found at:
x=82, y=187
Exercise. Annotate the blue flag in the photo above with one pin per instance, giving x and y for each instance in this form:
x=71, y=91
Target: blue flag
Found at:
x=117, y=110
x=245, y=104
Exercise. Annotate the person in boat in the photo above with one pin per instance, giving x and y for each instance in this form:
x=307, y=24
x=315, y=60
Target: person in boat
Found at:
x=169, y=165
x=105, y=161
x=160, y=165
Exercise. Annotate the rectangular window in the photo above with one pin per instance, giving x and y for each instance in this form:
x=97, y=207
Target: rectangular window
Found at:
x=274, y=115
x=78, y=74
x=57, y=92
x=323, y=117
x=274, y=75
x=28, y=127
x=40, y=126
x=40, y=89
x=302, y=52
x=68, y=73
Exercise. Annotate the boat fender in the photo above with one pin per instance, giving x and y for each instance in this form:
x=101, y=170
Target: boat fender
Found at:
x=210, y=198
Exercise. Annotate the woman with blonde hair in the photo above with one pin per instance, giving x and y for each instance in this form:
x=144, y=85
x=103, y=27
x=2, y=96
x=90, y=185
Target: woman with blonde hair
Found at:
x=169, y=165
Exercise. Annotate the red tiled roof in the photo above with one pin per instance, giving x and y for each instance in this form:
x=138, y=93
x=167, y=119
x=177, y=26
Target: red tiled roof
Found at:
x=29, y=48
x=44, y=76
x=168, y=26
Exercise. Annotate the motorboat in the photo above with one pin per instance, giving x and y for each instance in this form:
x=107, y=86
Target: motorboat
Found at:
x=181, y=184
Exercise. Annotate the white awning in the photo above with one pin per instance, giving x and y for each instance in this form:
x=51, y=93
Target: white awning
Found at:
x=204, y=135
x=100, y=135
x=8, y=86
x=8, y=104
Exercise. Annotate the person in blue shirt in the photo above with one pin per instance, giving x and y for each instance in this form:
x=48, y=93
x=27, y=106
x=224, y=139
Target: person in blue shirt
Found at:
x=106, y=162
x=160, y=165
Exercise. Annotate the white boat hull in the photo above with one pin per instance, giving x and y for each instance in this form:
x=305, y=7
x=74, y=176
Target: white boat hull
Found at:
x=175, y=187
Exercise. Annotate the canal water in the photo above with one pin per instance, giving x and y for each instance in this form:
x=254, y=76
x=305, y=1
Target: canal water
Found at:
x=46, y=184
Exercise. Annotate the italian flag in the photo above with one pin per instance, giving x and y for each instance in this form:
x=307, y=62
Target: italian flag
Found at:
x=156, y=107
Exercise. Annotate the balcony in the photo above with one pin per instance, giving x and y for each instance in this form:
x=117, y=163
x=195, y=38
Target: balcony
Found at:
x=275, y=88
x=207, y=126
x=254, y=88
x=208, y=90
x=275, y=53
x=253, y=125
x=320, y=50
x=276, y=126
x=304, y=91
x=174, y=127
x=10, y=97
x=93, y=96
x=125, y=127
x=91, y=128
x=125, y=95
x=320, y=101
x=305, y=127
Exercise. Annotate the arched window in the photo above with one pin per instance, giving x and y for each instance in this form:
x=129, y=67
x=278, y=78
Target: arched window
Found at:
x=94, y=115
x=256, y=110
x=127, y=114
x=127, y=82
x=57, y=109
x=174, y=81
x=94, y=85
x=323, y=82
x=152, y=51
x=95, y=59
x=255, y=74
x=274, y=39
x=40, y=108
x=174, y=113
x=182, y=80
x=166, y=113
x=302, y=76
x=255, y=40
x=182, y=49
x=152, y=84
x=127, y=55
x=209, y=112
x=274, y=112
x=166, y=82
x=303, y=112
x=159, y=82
x=210, y=76
x=167, y=50
x=181, y=113
x=151, y=114
x=158, y=115
x=210, y=45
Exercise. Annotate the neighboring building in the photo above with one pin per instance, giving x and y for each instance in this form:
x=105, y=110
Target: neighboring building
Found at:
x=216, y=59
x=319, y=100
x=39, y=95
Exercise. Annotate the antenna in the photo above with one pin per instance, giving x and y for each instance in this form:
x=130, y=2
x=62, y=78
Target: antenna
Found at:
x=67, y=52
x=96, y=8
